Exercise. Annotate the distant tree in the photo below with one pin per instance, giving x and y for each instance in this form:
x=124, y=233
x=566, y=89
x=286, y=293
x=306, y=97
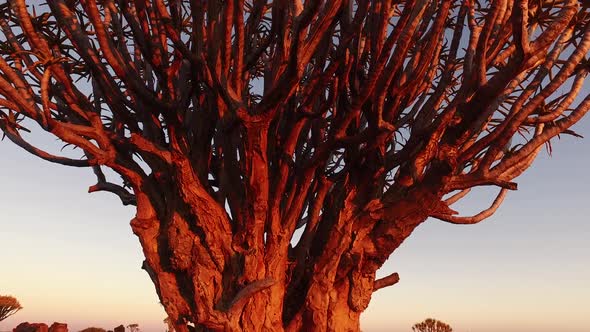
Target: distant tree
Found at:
x=431, y=325
x=93, y=329
x=8, y=306
x=231, y=124
x=133, y=327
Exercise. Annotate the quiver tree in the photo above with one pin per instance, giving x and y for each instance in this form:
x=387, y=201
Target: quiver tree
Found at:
x=9, y=306
x=234, y=123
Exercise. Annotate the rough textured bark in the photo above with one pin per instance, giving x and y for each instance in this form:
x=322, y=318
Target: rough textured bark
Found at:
x=234, y=123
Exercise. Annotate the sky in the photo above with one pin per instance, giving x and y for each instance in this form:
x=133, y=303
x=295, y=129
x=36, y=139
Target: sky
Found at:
x=70, y=256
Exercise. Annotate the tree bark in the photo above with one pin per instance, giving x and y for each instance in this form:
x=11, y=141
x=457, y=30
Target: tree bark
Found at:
x=202, y=284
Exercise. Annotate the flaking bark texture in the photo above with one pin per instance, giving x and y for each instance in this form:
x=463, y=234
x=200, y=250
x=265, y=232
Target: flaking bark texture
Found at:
x=329, y=296
x=232, y=124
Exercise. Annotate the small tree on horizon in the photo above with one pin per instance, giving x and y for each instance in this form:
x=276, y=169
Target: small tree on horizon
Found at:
x=9, y=306
x=431, y=325
x=133, y=327
x=229, y=125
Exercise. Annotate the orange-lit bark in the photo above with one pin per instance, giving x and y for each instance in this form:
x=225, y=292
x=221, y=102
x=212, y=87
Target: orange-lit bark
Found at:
x=234, y=123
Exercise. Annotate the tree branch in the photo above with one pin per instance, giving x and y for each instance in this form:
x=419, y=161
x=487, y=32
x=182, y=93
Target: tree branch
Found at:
x=387, y=281
x=18, y=140
x=476, y=218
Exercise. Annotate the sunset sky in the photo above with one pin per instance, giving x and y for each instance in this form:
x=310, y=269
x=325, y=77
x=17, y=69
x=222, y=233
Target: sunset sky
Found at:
x=69, y=256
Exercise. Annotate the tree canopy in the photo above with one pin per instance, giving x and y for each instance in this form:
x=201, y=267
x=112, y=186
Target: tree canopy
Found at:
x=9, y=306
x=431, y=325
x=234, y=123
x=93, y=329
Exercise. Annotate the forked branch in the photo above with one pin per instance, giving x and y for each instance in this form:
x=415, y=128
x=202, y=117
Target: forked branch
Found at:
x=475, y=218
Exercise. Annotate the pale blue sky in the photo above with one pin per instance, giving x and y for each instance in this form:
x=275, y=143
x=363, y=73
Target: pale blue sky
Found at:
x=71, y=256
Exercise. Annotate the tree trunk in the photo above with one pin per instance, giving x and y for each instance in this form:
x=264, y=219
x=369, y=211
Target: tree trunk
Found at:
x=200, y=272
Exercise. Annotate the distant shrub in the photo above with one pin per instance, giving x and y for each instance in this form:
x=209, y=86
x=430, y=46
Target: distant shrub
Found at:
x=93, y=329
x=133, y=328
x=431, y=325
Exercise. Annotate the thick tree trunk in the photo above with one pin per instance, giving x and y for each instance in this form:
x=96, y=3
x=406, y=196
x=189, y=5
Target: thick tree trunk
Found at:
x=203, y=282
